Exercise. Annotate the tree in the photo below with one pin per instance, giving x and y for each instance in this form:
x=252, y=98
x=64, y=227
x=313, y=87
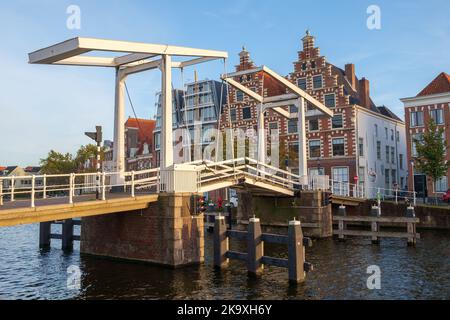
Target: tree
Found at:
x=431, y=149
x=58, y=163
x=86, y=153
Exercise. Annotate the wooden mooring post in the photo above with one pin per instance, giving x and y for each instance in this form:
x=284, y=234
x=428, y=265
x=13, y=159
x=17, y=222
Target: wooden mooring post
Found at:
x=67, y=236
x=255, y=258
x=375, y=220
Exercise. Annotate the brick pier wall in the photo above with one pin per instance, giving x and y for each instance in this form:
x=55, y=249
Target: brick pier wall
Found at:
x=165, y=233
x=276, y=212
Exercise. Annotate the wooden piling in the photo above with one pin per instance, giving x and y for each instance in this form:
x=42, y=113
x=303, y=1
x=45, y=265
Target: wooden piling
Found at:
x=375, y=212
x=67, y=235
x=44, y=234
x=341, y=223
x=410, y=226
x=255, y=247
x=220, y=242
x=296, y=252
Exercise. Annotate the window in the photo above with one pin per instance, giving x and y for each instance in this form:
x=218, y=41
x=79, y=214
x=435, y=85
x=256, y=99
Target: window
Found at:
x=330, y=100
x=301, y=83
x=314, y=148
x=239, y=95
x=293, y=109
x=417, y=136
x=393, y=177
x=316, y=171
x=273, y=126
x=157, y=140
x=386, y=132
x=376, y=130
x=392, y=155
x=386, y=179
x=336, y=122
x=317, y=82
x=304, y=66
x=392, y=135
x=313, y=64
x=397, y=135
x=233, y=115
x=436, y=115
x=416, y=119
x=313, y=124
x=441, y=184
x=379, y=150
x=361, y=147
x=246, y=113
x=338, y=147
x=340, y=180
x=292, y=126
x=387, y=154
x=361, y=178
x=400, y=161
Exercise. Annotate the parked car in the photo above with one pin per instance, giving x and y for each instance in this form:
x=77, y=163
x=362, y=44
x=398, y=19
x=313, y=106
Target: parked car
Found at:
x=446, y=196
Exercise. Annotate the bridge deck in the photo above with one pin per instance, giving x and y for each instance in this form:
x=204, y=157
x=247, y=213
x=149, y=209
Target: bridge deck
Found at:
x=20, y=212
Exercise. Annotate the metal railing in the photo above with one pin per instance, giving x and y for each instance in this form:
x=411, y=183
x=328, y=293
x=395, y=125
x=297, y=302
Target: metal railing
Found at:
x=75, y=184
x=203, y=172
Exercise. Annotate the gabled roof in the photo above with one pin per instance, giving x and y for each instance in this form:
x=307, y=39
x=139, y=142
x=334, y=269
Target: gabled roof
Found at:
x=440, y=84
x=145, y=131
x=385, y=111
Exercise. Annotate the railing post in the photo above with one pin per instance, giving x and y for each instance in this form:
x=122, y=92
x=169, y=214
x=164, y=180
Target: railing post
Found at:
x=255, y=247
x=396, y=198
x=132, y=183
x=374, y=224
x=71, y=188
x=33, y=184
x=342, y=225
x=414, y=198
x=296, y=252
x=44, y=195
x=12, y=188
x=104, y=186
x=220, y=242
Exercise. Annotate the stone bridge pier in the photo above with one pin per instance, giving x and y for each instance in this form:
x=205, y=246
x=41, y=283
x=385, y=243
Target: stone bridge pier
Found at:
x=310, y=207
x=166, y=233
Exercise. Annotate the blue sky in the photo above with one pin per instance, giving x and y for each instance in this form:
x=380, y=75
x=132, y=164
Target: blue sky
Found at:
x=49, y=107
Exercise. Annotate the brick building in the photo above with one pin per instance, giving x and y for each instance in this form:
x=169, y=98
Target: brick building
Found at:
x=432, y=102
x=362, y=143
x=139, y=146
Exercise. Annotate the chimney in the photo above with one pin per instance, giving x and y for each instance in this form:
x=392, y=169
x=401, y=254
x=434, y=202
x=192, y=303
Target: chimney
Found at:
x=364, y=93
x=350, y=74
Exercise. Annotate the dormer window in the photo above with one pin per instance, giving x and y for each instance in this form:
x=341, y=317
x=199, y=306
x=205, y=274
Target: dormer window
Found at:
x=304, y=66
x=313, y=64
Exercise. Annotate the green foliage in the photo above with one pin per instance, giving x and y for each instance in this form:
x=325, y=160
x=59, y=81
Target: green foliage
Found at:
x=431, y=149
x=59, y=163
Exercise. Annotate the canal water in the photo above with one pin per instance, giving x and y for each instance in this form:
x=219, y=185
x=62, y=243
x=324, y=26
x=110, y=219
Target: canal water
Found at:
x=340, y=272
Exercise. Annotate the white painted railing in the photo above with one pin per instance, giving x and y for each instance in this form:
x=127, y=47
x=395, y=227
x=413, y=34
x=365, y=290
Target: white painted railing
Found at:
x=188, y=177
x=74, y=184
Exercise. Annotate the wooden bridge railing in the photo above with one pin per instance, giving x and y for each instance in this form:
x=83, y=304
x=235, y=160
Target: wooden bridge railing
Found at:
x=375, y=219
x=254, y=257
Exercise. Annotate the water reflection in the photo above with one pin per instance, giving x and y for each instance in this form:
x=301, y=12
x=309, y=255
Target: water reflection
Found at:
x=340, y=272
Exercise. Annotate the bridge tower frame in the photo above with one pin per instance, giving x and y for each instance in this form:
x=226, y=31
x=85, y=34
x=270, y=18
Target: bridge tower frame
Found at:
x=138, y=57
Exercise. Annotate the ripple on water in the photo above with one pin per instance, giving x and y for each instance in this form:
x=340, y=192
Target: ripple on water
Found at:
x=339, y=272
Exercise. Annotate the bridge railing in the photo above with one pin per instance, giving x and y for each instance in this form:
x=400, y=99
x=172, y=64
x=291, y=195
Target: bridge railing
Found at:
x=33, y=187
